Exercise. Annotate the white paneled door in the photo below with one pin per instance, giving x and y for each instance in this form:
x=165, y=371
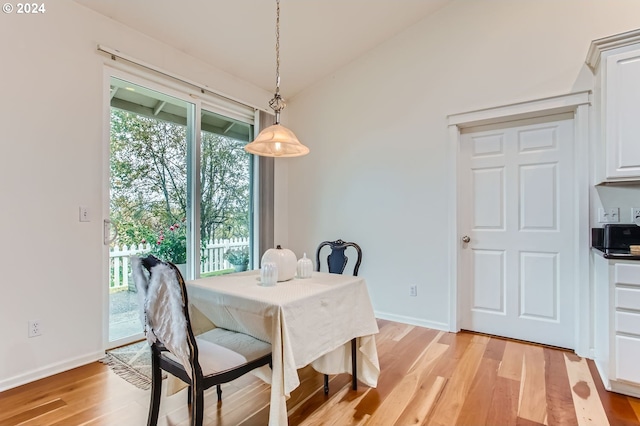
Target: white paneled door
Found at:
x=516, y=204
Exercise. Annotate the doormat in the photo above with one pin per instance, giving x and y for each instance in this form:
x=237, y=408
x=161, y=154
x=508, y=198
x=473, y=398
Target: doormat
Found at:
x=132, y=363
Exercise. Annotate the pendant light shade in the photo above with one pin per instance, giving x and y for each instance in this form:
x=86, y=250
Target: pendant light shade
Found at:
x=277, y=140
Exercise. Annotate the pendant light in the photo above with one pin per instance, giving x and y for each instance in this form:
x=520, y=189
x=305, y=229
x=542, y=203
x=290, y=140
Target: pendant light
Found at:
x=277, y=140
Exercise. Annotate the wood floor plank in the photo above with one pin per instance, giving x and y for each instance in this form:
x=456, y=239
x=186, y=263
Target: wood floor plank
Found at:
x=130, y=414
x=588, y=407
x=475, y=409
x=234, y=407
x=448, y=408
x=635, y=405
x=558, y=393
x=43, y=391
x=46, y=384
x=400, y=335
x=525, y=422
x=504, y=402
x=80, y=396
x=481, y=339
x=392, y=331
x=314, y=400
x=532, y=402
x=511, y=367
x=413, y=386
x=91, y=398
x=426, y=375
x=396, y=362
x=34, y=413
x=495, y=349
x=451, y=360
x=427, y=355
x=421, y=405
x=346, y=413
x=336, y=410
x=618, y=408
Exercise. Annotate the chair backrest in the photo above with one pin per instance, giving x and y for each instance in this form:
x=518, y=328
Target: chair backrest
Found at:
x=337, y=259
x=166, y=310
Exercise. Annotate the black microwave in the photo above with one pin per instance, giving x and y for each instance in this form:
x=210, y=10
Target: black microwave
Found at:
x=615, y=236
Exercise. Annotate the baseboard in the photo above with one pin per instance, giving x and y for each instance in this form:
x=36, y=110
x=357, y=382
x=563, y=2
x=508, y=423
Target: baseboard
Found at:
x=625, y=388
x=412, y=321
x=49, y=370
x=602, y=371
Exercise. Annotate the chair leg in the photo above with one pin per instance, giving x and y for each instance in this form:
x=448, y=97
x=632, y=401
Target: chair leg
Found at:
x=219, y=392
x=197, y=404
x=156, y=387
x=189, y=396
x=354, y=369
x=354, y=364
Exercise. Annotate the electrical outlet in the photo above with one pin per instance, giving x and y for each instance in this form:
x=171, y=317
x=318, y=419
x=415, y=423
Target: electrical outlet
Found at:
x=635, y=214
x=413, y=290
x=34, y=328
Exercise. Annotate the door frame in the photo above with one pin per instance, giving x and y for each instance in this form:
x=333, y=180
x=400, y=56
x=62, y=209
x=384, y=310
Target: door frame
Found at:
x=577, y=103
x=171, y=85
x=129, y=74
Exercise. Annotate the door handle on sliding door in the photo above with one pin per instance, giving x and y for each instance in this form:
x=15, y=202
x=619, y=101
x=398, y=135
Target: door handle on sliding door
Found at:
x=106, y=232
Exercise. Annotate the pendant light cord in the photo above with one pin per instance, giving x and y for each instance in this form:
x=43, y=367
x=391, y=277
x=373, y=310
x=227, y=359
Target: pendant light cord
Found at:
x=277, y=140
x=277, y=46
x=277, y=103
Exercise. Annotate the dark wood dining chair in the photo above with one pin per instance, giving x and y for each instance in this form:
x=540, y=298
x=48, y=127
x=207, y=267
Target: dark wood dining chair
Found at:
x=337, y=259
x=212, y=358
x=336, y=262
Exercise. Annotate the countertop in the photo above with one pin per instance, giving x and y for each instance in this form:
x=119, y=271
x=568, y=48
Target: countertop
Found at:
x=624, y=254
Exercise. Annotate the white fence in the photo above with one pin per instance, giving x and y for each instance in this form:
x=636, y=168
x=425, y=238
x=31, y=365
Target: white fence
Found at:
x=212, y=259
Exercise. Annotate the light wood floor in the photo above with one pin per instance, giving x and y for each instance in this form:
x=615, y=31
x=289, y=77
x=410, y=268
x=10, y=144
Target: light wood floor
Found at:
x=428, y=377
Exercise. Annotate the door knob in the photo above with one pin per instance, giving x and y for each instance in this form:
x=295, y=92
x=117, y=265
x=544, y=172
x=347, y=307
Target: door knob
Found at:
x=466, y=239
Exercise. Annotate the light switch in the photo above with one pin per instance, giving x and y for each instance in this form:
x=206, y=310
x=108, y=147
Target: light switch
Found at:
x=603, y=216
x=610, y=215
x=85, y=215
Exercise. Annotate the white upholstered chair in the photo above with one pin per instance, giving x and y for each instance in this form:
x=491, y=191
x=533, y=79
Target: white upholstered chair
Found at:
x=212, y=358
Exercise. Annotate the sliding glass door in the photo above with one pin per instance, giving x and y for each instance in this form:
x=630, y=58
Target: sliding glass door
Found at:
x=165, y=151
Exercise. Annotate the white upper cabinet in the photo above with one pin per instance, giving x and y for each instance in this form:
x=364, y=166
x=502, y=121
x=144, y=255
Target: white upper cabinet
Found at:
x=615, y=62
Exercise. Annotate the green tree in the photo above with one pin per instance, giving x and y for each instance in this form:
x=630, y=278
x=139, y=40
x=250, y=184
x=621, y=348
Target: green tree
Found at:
x=225, y=188
x=148, y=180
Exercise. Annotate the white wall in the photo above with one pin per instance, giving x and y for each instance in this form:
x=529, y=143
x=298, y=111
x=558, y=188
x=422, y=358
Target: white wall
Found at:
x=51, y=109
x=470, y=55
x=377, y=131
x=623, y=196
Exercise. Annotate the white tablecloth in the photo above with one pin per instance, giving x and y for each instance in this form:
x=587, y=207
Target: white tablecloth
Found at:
x=307, y=321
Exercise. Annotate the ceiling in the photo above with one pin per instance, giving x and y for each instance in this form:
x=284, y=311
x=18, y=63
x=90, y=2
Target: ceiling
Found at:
x=317, y=37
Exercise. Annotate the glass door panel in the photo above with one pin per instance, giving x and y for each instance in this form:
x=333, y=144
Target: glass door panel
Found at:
x=149, y=137
x=226, y=194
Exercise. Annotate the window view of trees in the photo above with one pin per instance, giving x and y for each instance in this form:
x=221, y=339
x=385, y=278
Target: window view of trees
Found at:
x=149, y=182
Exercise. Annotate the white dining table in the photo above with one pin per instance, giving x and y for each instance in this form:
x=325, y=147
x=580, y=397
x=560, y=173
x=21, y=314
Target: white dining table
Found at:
x=307, y=321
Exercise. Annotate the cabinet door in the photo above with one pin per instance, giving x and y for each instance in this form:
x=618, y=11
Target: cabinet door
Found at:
x=627, y=350
x=622, y=109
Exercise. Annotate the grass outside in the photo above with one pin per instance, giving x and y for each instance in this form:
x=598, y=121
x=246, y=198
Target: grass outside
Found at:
x=215, y=273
